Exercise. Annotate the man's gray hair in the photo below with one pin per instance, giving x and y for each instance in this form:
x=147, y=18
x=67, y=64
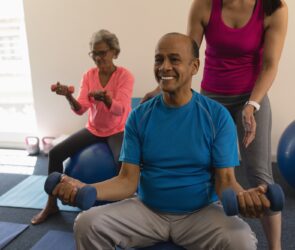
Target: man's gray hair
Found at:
x=105, y=36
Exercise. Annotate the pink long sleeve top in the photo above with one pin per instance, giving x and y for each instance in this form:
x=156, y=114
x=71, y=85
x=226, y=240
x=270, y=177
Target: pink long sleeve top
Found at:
x=103, y=121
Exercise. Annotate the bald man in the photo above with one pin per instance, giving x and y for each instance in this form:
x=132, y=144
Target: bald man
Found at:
x=179, y=150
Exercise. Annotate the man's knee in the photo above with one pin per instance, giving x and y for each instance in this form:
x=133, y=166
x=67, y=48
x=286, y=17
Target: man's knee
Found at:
x=82, y=225
x=242, y=239
x=89, y=224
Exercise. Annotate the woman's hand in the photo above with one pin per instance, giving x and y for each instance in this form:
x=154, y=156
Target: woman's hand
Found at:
x=60, y=89
x=97, y=95
x=66, y=190
x=150, y=94
x=102, y=96
x=249, y=124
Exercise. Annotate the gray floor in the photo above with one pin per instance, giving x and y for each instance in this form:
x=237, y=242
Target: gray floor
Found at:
x=64, y=220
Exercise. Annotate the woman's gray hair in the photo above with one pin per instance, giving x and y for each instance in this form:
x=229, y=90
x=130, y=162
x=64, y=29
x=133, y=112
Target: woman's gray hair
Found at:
x=105, y=36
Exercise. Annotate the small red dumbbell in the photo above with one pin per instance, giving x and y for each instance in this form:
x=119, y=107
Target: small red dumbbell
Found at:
x=71, y=89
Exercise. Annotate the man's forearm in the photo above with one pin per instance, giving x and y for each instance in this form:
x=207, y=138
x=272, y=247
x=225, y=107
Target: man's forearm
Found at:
x=115, y=189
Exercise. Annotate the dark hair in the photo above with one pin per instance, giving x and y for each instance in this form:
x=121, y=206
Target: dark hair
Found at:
x=270, y=6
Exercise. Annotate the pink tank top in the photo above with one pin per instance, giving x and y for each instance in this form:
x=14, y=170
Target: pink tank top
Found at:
x=233, y=56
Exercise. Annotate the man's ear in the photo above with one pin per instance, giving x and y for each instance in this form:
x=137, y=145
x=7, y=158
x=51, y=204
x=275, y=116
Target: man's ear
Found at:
x=196, y=65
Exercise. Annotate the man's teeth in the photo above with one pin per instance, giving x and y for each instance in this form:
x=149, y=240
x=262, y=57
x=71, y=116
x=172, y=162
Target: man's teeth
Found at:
x=167, y=77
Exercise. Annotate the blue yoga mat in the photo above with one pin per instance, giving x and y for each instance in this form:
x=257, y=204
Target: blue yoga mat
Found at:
x=30, y=194
x=8, y=231
x=57, y=240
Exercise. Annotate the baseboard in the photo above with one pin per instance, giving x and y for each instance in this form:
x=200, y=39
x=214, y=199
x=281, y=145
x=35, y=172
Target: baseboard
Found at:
x=12, y=145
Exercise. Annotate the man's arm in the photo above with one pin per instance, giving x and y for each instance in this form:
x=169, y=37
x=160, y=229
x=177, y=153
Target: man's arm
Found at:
x=252, y=202
x=117, y=188
x=225, y=178
x=120, y=187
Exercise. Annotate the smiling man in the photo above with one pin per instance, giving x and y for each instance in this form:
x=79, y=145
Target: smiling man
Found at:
x=179, y=149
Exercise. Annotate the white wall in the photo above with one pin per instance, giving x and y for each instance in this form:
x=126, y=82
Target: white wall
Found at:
x=58, y=32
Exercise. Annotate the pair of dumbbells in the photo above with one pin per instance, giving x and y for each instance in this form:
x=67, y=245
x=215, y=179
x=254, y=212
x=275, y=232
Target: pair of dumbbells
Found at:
x=274, y=193
x=85, y=198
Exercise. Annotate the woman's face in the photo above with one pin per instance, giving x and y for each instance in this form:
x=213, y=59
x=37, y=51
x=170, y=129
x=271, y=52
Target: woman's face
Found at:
x=103, y=56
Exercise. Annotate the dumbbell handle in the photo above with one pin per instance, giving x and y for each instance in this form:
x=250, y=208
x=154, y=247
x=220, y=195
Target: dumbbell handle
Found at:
x=85, y=198
x=274, y=193
x=71, y=89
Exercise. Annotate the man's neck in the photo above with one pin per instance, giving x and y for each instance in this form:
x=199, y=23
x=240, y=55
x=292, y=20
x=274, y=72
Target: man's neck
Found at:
x=177, y=99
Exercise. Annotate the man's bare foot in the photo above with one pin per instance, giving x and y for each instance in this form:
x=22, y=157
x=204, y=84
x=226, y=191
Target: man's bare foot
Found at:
x=44, y=214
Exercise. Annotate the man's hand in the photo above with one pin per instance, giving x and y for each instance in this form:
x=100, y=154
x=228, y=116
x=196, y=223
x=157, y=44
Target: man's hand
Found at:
x=253, y=202
x=249, y=124
x=66, y=190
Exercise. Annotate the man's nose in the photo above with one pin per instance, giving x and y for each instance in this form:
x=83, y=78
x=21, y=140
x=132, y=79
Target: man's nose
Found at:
x=166, y=65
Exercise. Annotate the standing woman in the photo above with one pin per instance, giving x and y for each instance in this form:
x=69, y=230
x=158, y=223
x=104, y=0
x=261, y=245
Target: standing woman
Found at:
x=105, y=92
x=244, y=41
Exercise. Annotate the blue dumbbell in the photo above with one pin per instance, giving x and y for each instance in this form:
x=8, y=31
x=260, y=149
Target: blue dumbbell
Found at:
x=85, y=198
x=274, y=193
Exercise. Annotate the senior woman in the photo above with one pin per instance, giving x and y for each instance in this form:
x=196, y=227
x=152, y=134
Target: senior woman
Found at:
x=105, y=92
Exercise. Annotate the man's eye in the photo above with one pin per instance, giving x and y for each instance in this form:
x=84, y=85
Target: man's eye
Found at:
x=158, y=60
x=174, y=59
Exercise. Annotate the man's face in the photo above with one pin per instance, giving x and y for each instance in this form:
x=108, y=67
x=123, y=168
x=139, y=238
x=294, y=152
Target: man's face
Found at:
x=174, y=64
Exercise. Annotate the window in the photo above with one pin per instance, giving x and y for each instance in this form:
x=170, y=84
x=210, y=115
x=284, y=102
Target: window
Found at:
x=16, y=100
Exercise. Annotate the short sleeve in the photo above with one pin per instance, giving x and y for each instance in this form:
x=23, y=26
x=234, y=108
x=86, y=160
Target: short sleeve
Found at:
x=131, y=148
x=225, y=148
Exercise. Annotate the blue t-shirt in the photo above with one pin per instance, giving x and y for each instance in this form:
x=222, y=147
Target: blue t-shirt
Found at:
x=177, y=150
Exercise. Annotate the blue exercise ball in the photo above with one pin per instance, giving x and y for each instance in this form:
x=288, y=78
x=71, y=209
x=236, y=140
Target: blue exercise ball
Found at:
x=92, y=164
x=286, y=154
x=162, y=246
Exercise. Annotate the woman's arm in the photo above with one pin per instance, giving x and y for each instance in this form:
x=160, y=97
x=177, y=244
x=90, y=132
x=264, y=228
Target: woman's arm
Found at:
x=275, y=33
x=198, y=19
x=64, y=90
x=75, y=105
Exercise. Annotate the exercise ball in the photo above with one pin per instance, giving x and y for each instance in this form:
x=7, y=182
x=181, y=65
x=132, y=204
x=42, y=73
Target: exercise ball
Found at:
x=162, y=246
x=92, y=164
x=286, y=154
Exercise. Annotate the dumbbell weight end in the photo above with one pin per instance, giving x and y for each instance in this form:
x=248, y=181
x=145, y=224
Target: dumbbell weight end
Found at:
x=85, y=198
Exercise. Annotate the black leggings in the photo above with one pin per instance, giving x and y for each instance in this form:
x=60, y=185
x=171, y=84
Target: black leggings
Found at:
x=78, y=141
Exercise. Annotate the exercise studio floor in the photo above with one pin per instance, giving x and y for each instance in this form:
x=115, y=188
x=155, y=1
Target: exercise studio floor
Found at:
x=16, y=167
